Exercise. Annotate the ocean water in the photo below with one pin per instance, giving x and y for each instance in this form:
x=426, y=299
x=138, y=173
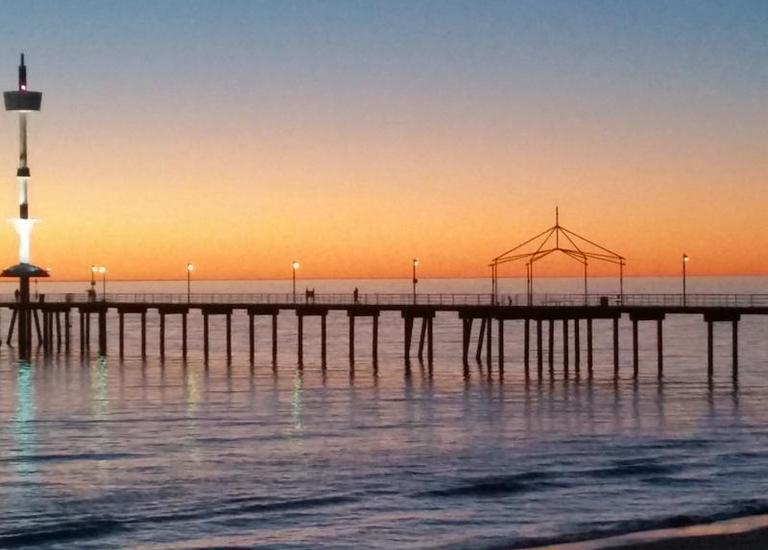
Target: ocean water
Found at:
x=109, y=453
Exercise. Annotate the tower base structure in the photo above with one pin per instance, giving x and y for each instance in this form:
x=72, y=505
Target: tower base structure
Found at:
x=24, y=272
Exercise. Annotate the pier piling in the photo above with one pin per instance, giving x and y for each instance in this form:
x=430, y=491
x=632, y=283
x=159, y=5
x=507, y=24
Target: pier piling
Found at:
x=589, y=348
x=527, y=346
x=660, y=348
x=539, y=351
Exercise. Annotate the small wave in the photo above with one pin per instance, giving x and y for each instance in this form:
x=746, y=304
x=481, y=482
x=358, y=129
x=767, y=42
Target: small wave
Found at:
x=672, y=480
x=497, y=485
x=239, y=506
x=297, y=504
x=69, y=457
x=635, y=467
x=74, y=530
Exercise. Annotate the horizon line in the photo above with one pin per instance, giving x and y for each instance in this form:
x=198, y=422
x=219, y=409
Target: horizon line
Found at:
x=184, y=280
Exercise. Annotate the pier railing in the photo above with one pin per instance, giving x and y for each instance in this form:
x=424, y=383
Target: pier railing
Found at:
x=401, y=299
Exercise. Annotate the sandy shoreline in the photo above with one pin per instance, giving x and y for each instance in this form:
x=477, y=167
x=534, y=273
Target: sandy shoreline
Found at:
x=755, y=539
x=746, y=533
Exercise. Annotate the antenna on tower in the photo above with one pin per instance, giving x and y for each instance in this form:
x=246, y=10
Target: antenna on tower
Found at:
x=557, y=216
x=22, y=75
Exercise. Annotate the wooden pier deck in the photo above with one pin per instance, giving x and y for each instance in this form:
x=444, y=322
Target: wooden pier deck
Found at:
x=53, y=314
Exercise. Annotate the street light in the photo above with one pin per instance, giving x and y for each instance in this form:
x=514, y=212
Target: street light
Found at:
x=415, y=280
x=103, y=271
x=92, y=292
x=685, y=261
x=190, y=269
x=294, y=266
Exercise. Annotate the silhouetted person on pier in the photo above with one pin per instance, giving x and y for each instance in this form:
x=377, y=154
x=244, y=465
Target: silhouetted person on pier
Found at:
x=17, y=294
x=91, y=295
x=355, y=295
x=310, y=296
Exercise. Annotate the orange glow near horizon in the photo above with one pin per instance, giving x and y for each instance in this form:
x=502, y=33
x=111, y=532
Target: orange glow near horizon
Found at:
x=356, y=214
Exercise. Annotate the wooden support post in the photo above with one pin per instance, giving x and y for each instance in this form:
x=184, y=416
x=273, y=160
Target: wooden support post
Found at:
x=480, y=339
x=635, y=353
x=144, y=334
x=274, y=340
x=422, y=337
x=82, y=332
x=251, y=338
x=162, y=336
x=206, y=344
x=589, y=347
x=229, y=337
x=615, y=347
x=660, y=347
x=500, y=323
x=184, y=335
x=323, y=341
x=121, y=333
x=51, y=331
x=408, y=322
x=735, y=347
x=710, y=352
x=37, y=327
x=58, y=331
x=375, y=342
x=300, y=341
x=488, y=344
x=539, y=351
x=551, y=348
x=466, y=334
x=577, y=346
x=352, y=340
x=44, y=341
x=67, y=334
x=527, y=347
x=103, y=332
x=430, y=344
x=88, y=331
x=565, y=347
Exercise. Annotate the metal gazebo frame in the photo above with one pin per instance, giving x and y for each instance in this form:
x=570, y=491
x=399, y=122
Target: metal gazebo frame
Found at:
x=583, y=250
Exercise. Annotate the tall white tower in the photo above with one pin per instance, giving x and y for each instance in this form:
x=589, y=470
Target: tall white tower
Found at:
x=23, y=101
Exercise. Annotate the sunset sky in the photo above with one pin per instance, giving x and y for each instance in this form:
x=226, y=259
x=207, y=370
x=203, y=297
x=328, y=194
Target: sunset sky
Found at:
x=357, y=135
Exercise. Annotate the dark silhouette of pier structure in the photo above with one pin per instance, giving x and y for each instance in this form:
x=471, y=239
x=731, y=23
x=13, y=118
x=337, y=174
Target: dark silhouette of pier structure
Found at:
x=560, y=319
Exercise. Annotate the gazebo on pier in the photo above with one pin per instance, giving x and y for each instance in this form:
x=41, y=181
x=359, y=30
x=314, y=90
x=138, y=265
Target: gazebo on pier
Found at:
x=556, y=239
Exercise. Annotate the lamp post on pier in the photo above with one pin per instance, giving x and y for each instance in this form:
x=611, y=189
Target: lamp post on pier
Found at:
x=415, y=280
x=92, y=292
x=103, y=271
x=294, y=266
x=190, y=269
x=685, y=261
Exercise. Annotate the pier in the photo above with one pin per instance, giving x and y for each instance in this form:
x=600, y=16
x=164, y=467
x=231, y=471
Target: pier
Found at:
x=560, y=319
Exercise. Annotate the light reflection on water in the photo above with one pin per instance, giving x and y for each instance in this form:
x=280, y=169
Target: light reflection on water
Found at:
x=22, y=425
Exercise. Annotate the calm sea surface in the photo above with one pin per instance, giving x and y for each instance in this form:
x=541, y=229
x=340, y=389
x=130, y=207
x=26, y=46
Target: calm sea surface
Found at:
x=103, y=453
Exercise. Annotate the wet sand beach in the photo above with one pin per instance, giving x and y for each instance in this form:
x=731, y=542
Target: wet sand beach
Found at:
x=745, y=533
